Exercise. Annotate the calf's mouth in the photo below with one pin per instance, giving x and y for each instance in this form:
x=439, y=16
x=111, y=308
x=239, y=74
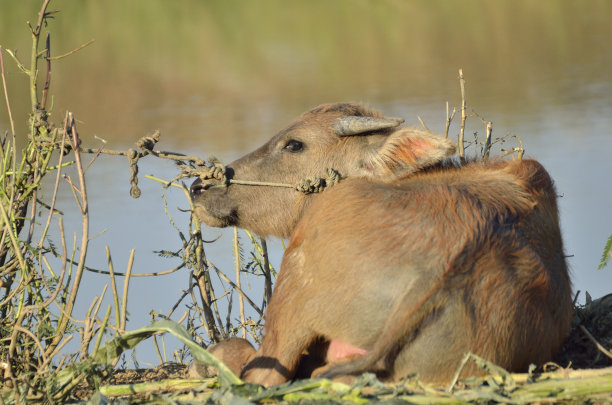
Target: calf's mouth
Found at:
x=211, y=205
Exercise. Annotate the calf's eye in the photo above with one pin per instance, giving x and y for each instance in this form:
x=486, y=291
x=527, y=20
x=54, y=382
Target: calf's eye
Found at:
x=294, y=146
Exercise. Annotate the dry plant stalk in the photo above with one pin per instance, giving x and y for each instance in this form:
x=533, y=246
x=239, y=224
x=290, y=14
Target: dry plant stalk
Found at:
x=31, y=280
x=488, y=142
x=30, y=284
x=463, y=116
x=37, y=276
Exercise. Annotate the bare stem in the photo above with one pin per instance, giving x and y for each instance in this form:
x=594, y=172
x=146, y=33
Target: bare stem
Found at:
x=242, y=293
x=126, y=284
x=6, y=97
x=211, y=328
x=267, y=270
x=520, y=149
x=487, y=147
x=43, y=102
x=238, y=280
x=78, y=48
x=33, y=72
x=449, y=119
x=71, y=128
x=595, y=342
x=54, y=195
x=423, y=124
x=463, y=116
x=111, y=270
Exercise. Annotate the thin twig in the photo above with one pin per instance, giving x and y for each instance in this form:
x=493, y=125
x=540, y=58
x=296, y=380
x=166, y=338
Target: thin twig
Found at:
x=45, y=89
x=423, y=124
x=16, y=249
x=53, y=353
x=90, y=323
x=487, y=147
x=34, y=339
x=156, y=153
x=159, y=273
x=14, y=139
x=463, y=116
x=242, y=293
x=6, y=97
x=448, y=119
x=33, y=71
x=595, y=342
x=267, y=270
x=78, y=48
x=458, y=371
x=520, y=149
x=207, y=304
x=58, y=283
x=54, y=194
x=41, y=16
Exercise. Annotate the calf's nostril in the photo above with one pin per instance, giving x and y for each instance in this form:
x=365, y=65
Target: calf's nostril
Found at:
x=197, y=187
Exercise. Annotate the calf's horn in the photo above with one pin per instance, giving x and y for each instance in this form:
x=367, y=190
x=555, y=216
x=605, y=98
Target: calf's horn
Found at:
x=354, y=125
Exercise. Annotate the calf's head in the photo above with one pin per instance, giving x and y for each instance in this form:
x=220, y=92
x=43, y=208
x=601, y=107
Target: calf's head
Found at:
x=349, y=138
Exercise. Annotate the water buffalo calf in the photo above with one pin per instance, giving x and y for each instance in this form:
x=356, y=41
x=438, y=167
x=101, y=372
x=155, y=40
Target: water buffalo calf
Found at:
x=410, y=261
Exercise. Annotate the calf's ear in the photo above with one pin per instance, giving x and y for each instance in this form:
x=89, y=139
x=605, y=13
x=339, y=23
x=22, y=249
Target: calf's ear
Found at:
x=357, y=125
x=406, y=151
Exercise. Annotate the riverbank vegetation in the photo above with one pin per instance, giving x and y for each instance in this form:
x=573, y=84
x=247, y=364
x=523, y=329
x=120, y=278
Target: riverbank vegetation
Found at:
x=42, y=267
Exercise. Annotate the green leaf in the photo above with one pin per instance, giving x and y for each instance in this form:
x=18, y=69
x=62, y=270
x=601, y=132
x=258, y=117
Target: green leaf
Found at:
x=108, y=352
x=99, y=399
x=605, y=257
x=228, y=397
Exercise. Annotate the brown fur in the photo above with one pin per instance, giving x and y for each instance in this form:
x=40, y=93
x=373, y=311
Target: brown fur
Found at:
x=234, y=352
x=414, y=262
x=421, y=271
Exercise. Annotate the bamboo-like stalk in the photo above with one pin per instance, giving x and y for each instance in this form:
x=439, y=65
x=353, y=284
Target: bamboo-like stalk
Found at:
x=566, y=385
x=238, y=281
x=147, y=387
